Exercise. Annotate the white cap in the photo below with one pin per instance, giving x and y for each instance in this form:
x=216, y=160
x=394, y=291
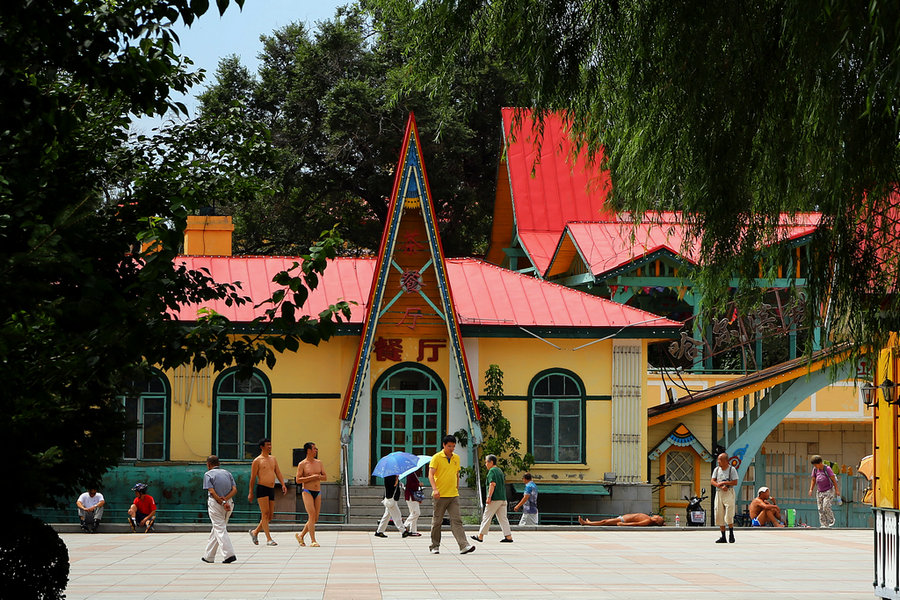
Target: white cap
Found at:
x=761, y=490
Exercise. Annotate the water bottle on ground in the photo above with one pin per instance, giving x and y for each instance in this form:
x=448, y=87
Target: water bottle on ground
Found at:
x=677, y=520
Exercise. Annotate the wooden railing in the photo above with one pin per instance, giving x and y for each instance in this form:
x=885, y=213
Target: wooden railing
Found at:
x=887, y=558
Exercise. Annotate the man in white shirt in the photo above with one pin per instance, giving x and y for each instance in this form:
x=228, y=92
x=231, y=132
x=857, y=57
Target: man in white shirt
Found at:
x=724, y=479
x=90, y=509
x=221, y=488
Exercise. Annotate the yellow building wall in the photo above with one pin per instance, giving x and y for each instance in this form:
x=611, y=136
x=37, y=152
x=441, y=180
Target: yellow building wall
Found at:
x=887, y=437
x=522, y=359
x=294, y=421
x=840, y=401
x=325, y=370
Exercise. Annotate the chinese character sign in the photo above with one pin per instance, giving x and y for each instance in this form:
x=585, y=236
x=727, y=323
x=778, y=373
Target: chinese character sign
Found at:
x=411, y=281
x=433, y=346
x=389, y=349
x=410, y=243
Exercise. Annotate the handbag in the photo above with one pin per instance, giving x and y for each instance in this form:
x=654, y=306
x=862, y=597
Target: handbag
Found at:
x=418, y=495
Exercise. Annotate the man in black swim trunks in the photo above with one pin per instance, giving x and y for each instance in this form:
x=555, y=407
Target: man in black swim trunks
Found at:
x=265, y=469
x=310, y=475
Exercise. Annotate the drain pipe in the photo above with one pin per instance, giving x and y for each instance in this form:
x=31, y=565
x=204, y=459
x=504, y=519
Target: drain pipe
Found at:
x=345, y=459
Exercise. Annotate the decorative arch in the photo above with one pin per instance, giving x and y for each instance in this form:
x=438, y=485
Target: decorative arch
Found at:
x=409, y=410
x=680, y=437
x=557, y=403
x=242, y=413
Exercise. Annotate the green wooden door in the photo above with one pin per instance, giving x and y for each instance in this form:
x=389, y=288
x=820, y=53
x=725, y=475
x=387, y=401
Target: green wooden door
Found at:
x=409, y=415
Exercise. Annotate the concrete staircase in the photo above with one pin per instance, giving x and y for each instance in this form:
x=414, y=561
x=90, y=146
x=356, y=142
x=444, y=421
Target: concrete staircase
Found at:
x=366, y=507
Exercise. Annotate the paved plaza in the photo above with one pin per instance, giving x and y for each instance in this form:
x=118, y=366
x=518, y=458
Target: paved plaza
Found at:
x=547, y=563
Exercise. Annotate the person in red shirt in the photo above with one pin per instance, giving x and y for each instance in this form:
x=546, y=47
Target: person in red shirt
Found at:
x=142, y=512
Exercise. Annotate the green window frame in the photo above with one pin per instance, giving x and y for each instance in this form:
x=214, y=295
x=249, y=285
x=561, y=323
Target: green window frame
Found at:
x=147, y=407
x=556, y=421
x=242, y=409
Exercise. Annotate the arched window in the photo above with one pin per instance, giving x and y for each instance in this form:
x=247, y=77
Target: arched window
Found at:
x=241, y=408
x=557, y=417
x=147, y=406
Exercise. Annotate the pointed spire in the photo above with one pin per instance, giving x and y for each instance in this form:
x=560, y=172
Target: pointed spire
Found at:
x=411, y=315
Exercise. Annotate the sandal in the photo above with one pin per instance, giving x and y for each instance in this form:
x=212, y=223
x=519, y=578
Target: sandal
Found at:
x=299, y=539
x=315, y=544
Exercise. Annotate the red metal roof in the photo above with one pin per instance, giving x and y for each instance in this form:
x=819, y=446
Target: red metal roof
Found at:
x=557, y=191
x=484, y=294
x=549, y=187
x=607, y=246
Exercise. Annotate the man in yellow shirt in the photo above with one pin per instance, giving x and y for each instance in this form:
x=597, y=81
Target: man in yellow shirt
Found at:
x=443, y=473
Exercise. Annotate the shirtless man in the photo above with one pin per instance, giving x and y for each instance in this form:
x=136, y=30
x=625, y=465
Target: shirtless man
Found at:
x=265, y=469
x=629, y=520
x=310, y=475
x=763, y=510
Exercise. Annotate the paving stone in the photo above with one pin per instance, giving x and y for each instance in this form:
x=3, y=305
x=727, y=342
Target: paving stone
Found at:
x=604, y=563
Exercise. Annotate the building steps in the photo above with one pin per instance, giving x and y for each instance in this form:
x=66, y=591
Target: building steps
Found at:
x=366, y=507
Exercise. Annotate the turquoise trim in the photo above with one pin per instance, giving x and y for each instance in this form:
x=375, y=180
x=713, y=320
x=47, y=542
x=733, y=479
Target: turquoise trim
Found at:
x=745, y=447
x=241, y=397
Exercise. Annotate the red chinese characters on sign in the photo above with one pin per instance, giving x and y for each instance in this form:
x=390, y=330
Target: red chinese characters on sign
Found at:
x=413, y=313
x=862, y=369
x=433, y=345
x=389, y=349
x=410, y=244
x=411, y=281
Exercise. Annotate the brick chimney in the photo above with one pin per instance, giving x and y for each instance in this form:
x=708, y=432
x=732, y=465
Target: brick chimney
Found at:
x=208, y=236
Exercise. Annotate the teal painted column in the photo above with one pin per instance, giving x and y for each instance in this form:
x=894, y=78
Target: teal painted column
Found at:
x=748, y=444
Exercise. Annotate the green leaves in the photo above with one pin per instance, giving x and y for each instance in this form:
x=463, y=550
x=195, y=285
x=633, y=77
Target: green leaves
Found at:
x=733, y=115
x=336, y=103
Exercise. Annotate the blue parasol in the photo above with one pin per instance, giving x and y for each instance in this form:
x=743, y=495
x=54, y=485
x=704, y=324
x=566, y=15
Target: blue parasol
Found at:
x=423, y=460
x=395, y=463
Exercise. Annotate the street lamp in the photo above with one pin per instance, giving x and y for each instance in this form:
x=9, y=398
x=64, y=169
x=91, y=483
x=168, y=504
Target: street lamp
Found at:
x=870, y=394
x=889, y=391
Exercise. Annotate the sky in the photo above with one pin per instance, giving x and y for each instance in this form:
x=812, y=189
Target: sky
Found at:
x=237, y=32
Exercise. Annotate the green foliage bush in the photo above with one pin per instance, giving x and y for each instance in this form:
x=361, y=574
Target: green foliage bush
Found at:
x=34, y=561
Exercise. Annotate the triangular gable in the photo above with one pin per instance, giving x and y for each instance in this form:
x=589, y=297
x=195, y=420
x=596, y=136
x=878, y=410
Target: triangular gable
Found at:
x=566, y=252
x=680, y=437
x=410, y=299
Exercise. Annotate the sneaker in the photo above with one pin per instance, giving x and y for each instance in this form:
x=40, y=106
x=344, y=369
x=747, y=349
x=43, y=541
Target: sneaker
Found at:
x=203, y=558
x=434, y=550
x=254, y=537
x=380, y=534
x=405, y=533
x=415, y=534
x=476, y=538
x=271, y=543
x=230, y=559
x=506, y=541
x=467, y=550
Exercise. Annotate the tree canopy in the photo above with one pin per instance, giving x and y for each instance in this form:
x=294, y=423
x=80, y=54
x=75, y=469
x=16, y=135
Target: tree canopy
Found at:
x=84, y=304
x=731, y=113
x=335, y=101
